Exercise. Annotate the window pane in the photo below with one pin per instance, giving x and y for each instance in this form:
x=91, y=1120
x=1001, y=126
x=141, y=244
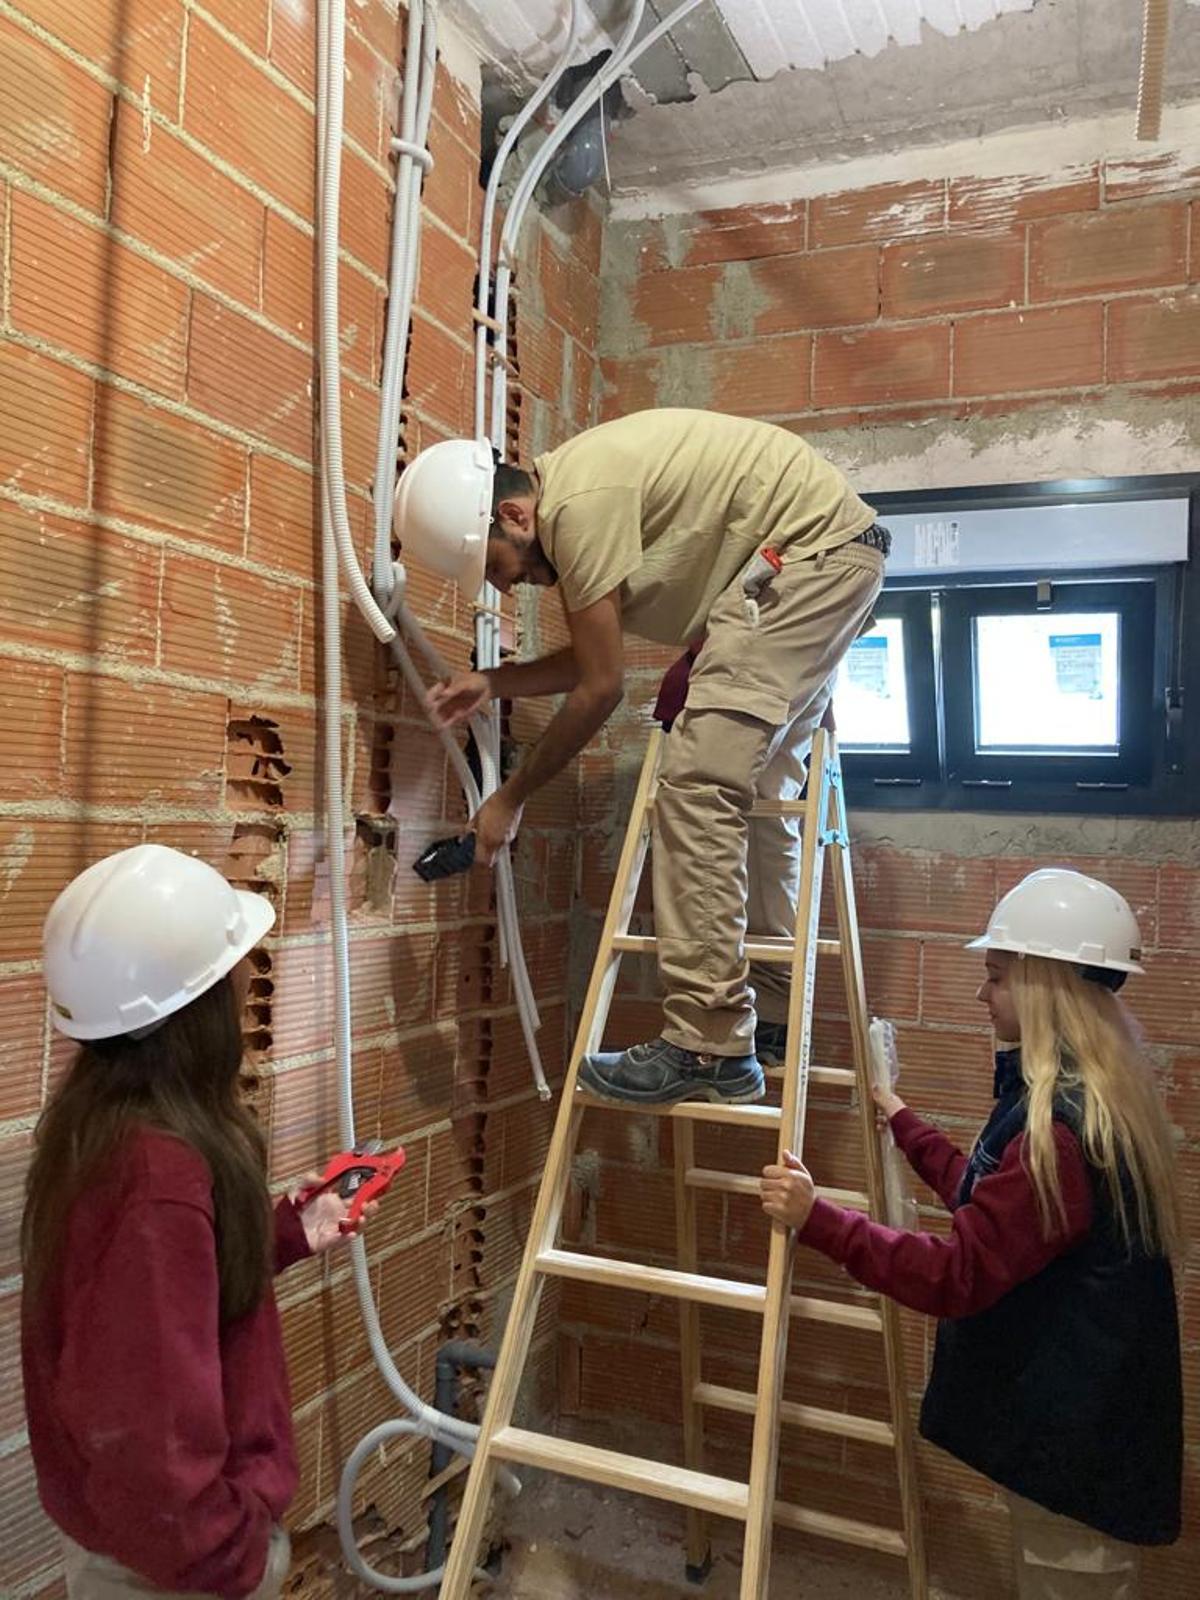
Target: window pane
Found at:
x=870, y=691
x=1049, y=682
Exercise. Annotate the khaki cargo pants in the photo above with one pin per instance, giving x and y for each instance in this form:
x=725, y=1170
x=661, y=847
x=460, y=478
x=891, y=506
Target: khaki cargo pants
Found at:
x=757, y=691
x=1058, y=1559
x=94, y=1577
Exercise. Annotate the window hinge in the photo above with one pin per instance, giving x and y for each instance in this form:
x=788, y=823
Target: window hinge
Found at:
x=1175, y=730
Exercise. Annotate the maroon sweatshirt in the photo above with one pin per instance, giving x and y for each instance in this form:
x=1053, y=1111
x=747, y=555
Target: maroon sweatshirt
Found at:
x=160, y=1439
x=996, y=1239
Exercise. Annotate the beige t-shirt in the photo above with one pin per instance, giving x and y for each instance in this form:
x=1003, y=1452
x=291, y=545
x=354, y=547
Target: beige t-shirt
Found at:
x=669, y=506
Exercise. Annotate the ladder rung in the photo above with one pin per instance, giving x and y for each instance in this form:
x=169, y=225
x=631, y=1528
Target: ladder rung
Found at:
x=741, y=1183
x=728, y=1292
x=816, y=1418
x=836, y=1312
x=771, y=950
x=825, y=1526
x=842, y=1077
x=753, y=1116
x=722, y=1496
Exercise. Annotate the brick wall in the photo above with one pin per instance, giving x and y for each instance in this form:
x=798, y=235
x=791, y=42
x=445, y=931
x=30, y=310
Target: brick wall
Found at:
x=158, y=624
x=923, y=333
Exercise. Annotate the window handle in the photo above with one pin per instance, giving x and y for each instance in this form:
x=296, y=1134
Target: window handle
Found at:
x=1102, y=786
x=986, y=783
x=898, y=783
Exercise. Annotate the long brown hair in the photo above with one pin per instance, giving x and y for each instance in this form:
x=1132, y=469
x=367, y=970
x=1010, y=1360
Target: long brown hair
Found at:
x=182, y=1078
x=1078, y=1037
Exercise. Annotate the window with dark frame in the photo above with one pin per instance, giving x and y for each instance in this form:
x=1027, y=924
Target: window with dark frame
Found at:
x=1063, y=689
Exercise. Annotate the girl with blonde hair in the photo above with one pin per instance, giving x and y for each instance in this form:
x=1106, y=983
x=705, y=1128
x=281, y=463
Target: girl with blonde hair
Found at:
x=1056, y=1371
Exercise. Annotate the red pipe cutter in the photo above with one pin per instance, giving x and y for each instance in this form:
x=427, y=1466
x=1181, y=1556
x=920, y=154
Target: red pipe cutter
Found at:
x=360, y=1176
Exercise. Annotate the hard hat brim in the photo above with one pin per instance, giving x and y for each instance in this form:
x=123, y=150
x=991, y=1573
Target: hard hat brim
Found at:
x=1015, y=948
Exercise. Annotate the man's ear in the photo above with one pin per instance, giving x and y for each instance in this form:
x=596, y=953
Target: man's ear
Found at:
x=517, y=512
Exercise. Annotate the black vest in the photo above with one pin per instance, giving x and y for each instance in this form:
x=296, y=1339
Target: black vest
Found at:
x=1068, y=1390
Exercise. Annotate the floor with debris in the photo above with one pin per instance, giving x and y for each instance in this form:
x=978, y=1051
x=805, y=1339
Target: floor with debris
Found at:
x=567, y=1540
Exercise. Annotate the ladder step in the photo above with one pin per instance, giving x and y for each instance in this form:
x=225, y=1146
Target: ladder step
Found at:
x=742, y=1183
x=753, y=1116
x=728, y=1292
x=824, y=1526
x=839, y=1077
x=816, y=1418
x=836, y=1312
x=722, y=1496
x=772, y=950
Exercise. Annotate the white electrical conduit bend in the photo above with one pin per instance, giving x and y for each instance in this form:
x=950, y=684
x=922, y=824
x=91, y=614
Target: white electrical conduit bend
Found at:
x=335, y=543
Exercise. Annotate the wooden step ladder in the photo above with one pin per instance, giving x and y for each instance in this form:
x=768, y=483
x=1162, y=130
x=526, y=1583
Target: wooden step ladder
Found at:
x=753, y=1503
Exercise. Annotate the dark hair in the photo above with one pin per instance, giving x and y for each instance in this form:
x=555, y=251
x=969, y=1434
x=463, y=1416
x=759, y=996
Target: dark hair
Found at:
x=509, y=481
x=183, y=1079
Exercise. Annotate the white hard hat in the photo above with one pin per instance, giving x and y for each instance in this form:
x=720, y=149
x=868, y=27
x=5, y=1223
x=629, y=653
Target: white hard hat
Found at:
x=443, y=510
x=1064, y=916
x=140, y=935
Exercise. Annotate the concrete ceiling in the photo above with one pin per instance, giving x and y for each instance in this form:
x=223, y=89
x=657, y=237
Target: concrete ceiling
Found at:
x=748, y=86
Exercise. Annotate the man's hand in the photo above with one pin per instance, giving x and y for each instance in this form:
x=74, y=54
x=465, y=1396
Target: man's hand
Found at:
x=458, y=698
x=494, y=825
x=788, y=1192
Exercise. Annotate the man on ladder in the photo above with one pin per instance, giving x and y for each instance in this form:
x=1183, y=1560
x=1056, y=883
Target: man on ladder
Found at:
x=670, y=525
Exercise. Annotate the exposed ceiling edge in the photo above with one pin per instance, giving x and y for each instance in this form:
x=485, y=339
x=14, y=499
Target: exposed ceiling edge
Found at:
x=1041, y=150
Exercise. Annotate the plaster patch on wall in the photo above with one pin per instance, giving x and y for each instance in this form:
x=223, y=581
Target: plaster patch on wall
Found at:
x=1040, y=838
x=1041, y=151
x=740, y=298
x=1117, y=436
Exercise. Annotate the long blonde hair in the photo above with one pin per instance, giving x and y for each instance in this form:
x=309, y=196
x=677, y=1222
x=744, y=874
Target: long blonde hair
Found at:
x=1078, y=1039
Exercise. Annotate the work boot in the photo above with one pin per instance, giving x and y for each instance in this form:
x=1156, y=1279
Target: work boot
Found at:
x=770, y=1042
x=660, y=1073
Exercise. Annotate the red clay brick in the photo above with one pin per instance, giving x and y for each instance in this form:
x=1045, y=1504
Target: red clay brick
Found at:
x=238, y=112
x=141, y=744
x=824, y=290
x=1167, y=1000
x=41, y=856
x=888, y=211
x=950, y=978
x=292, y=49
x=30, y=1540
x=1179, y=906
x=768, y=379
x=248, y=19
x=180, y=204
x=12, y=1408
x=31, y=705
x=570, y=294
x=153, y=467
x=83, y=292
x=632, y=385
x=1154, y=338
x=45, y=415
x=957, y=272
x=995, y=204
x=582, y=221
x=48, y=105
x=220, y=622
x=23, y=998
x=289, y=289
x=540, y=358
x=131, y=40
x=440, y=373
x=452, y=189
x=1044, y=349
x=944, y=1074
x=1140, y=176
x=366, y=213
x=372, y=83
x=283, y=520
x=747, y=233
x=1119, y=249
x=676, y=307
x=249, y=379
x=914, y=892
x=67, y=586
x=882, y=365
x=446, y=286
x=891, y=968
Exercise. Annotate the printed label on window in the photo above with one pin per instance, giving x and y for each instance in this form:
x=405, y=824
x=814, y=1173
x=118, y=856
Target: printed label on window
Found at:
x=1076, y=658
x=936, y=544
x=867, y=665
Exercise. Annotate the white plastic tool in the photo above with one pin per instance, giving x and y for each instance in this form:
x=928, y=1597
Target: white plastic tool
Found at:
x=885, y=1072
